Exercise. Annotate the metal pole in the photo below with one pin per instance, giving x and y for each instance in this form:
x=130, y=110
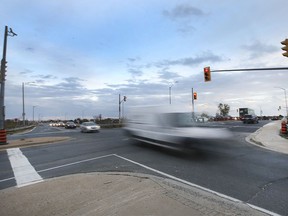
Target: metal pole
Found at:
x=286, y=103
x=33, y=114
x=23, y=108
x=2, y=94
x=119, y=108
x=170, y=94
x=285, y=99
x=250, y=69
x=193, y=109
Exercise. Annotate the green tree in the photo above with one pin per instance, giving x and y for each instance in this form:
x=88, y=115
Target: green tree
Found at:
x=224, y=109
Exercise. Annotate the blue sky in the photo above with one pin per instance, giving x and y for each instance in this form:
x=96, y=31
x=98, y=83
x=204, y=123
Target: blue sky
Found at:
x=76, y=57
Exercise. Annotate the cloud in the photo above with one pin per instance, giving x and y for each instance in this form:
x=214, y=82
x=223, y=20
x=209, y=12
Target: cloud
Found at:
x=30, y=49
x=257, y=49
x=26, y=71
x=71, y=84
x=183, y=15
x=183, y=11
x=191, y=61
x=46, y=76
x=167, y=75
x=135, y=72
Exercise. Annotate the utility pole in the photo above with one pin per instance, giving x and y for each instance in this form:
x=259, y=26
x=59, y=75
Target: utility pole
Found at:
x=2, y=81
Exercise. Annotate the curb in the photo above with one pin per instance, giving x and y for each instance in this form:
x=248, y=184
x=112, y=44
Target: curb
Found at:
x=33, y=141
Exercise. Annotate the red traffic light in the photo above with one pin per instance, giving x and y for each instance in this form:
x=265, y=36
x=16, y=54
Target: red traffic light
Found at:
x=195, y=95
x=207, y=74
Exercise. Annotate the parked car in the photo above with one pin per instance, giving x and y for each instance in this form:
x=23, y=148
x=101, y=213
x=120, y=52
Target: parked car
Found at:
x=89, y=127
x=70, y=124
x=250, y=119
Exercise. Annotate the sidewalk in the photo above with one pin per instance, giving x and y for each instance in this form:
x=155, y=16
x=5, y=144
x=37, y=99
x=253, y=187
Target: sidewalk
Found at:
x=269, y=137
x=121, y=194
x=128, y=194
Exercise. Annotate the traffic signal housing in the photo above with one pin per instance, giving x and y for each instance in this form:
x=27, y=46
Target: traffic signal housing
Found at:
x=195, y=95
x=207, y=74
x=3, y=70
x=285, y=48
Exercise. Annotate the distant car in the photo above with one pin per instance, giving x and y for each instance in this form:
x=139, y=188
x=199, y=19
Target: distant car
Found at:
x=250, y=119
x=70, y=124
x=60, y=124
x=89, y=127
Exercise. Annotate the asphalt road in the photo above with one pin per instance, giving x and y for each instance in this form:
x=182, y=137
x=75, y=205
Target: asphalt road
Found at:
x=232, y=167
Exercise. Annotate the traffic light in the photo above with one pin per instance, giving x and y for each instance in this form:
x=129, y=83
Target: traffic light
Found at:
x=125, y=98
x=195, y=95
x=285, y=48
x=207, y=74
x=3, y=70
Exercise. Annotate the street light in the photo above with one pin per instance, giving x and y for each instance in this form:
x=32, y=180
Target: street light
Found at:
x=23, y=102
x=285, y=99
x=23, y=105
x=170, y=88
x=33, y=114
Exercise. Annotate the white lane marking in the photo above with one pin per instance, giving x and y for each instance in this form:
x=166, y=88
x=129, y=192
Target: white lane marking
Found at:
x=7, y=179
x=24, y=172
x=77, y=162
x=65, y=165
x=197, y=186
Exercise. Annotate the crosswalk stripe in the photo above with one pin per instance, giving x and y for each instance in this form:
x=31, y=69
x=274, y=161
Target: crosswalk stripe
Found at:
x=24, y=172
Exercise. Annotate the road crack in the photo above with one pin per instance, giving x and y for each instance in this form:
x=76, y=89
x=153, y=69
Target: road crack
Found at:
x=265, y=188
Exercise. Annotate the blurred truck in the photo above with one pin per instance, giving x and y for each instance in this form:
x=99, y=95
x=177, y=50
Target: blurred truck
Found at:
x=245, y=111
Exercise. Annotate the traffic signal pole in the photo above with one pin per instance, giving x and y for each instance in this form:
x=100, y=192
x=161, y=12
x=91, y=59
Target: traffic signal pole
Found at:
x=2, y=82
x=193, y=108
x=3, y=71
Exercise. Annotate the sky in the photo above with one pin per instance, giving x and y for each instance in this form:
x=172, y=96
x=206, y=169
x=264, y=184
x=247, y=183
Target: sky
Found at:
x=74, y=58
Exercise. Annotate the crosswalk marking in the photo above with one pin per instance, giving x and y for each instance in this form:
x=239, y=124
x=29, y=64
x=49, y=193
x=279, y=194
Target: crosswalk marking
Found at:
x=24, y=172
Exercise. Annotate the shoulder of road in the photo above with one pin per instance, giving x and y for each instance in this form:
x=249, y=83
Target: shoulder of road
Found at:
x=128, y=193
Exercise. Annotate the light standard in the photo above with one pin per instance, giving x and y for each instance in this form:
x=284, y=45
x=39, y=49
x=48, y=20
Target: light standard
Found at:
x=23, y=102
x=170, y=88
x=285, y=99
x=33, y=113
x=23, y=105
